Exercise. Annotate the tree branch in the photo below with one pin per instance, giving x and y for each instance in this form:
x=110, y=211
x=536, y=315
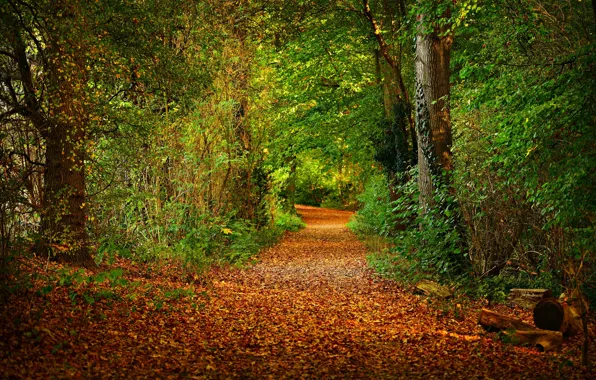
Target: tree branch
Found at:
x=383, y=47
x=26, y=157
x=8, y=54
x=384, y=50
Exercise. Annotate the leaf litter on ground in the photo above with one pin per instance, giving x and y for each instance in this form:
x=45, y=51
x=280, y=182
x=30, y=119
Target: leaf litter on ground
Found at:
x=308, y=308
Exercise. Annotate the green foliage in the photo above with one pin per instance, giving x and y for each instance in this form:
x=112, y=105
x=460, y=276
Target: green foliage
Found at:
x=205, y=122
x=525, y=143
x=288, y=221
x=394, y=266
x=496, y=288
x=524, y=152
x=428, y=243
x=431, y=240
x=375, y=212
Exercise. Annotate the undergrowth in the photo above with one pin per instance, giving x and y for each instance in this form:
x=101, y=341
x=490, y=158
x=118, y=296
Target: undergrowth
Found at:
x=204, y=246
x=430, y=247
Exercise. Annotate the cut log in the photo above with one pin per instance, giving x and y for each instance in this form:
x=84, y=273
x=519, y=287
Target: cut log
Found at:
x=431, y=288
x=520, y=332
x=544, y=340
x=528, y=298
x=495, y=322
x=549, y=315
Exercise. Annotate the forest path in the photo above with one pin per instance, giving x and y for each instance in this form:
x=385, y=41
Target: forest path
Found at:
x=311, y=308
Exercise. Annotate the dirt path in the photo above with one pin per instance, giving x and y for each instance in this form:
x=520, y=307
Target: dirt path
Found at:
x=309, y=308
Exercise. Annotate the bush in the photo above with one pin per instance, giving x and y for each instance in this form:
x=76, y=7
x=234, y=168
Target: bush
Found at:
x=374, y=215
x=288, y=221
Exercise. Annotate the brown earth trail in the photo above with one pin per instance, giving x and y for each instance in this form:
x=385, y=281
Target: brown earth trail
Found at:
x=309, y=308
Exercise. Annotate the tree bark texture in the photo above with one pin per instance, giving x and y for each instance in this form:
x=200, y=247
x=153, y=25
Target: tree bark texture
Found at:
x=64, y=182
x=250, y=184
x=433, y=122
x=56, y=106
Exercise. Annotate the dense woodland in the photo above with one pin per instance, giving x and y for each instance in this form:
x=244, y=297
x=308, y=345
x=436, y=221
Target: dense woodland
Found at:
x=184, y=132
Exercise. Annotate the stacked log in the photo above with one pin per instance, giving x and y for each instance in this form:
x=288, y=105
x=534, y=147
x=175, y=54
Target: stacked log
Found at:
x=553, y=319
x=521, y=332
x=528, y=298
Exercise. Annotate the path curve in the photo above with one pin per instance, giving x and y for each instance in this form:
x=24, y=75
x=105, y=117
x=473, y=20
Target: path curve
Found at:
x=311, y=309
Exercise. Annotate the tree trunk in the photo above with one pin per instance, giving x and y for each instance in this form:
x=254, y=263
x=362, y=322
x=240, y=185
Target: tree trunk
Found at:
x=63, y=219
x=60, y=119
x=433, y=123
x=291, y=185
x=244, y=194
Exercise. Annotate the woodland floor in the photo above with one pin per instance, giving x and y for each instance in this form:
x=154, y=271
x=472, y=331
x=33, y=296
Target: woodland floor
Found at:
x=308, y=308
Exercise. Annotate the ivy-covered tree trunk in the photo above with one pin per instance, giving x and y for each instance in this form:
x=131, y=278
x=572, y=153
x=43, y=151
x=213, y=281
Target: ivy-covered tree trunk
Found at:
x=433, y=122
x=243, y=191
x=63, y=215
x=54, y=101
x=396, y=151
x=64, y=218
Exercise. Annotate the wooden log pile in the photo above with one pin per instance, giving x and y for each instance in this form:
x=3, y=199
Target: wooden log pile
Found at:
x=521, y=332
x=528, y=298
x=552, y=320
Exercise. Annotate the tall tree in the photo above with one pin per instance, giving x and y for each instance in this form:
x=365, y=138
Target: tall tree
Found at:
x=433, y=122
x=44, y=77
x=395, y=152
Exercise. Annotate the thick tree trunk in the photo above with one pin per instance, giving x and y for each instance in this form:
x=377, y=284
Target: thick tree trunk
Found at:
x=64, y=211
x=63, y=218
x=433, y=122
x=248, y=187
x=60, y=120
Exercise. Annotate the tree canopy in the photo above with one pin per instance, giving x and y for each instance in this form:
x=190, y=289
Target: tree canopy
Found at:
x=461, y=131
